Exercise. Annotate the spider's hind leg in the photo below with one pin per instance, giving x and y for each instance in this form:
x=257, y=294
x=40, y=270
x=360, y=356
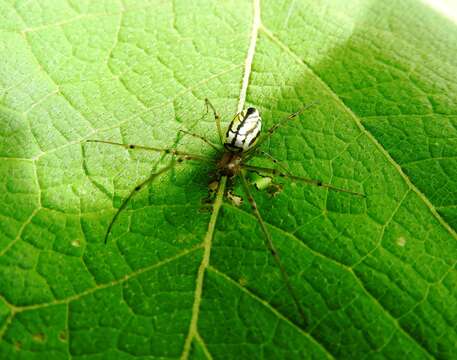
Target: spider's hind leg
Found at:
x=273, y=172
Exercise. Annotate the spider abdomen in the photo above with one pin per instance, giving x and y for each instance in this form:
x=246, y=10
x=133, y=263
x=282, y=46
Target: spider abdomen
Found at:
x=243, y=131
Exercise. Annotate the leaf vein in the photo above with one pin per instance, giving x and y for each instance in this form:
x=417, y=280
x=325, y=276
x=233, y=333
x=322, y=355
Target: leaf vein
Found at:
x=344, y=267
x=359, y=124
x=269, y=307
x=207, y=243
x=118, y=281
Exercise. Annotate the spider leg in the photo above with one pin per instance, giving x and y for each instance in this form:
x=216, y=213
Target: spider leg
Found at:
x=217, y=119
x=281, y=122
x=154, y=149
x=138, y=188
x=275, y=161
x=201, y=138
x=270, y=246
x=319, y=183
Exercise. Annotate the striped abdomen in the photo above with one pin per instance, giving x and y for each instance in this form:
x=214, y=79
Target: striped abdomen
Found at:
x=243, y=131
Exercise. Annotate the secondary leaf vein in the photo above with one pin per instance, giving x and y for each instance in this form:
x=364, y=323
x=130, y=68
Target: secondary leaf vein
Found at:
x=269, y=307
x=359, y=124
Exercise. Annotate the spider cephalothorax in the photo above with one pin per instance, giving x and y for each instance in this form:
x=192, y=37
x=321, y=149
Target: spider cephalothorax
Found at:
x=229, y=164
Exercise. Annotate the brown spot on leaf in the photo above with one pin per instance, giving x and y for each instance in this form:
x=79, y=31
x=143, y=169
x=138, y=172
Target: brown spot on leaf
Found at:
x=39, y=337
x=63, y=335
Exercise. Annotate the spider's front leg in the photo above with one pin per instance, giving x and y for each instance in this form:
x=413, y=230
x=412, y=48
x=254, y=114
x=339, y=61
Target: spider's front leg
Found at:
x=139, y=187
x=170, y=151
x=136, y=190
x=285, y=120
x=217, y=119
x=181, y=157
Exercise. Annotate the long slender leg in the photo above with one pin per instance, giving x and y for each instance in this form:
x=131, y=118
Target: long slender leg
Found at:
x=281, y=122
x=138, y=188
x=269, y=244
x=201, y=138
x=274, y=172
x=217, y=119
x=154, y=149
x=275, y=161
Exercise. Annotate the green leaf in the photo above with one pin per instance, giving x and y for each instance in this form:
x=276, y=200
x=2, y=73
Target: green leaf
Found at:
x=375, y=276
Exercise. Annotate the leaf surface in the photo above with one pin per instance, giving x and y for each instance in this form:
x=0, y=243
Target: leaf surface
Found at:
x=376, y=276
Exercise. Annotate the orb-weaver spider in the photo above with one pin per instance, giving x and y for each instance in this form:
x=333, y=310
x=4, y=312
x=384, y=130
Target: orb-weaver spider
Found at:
x=240, y=143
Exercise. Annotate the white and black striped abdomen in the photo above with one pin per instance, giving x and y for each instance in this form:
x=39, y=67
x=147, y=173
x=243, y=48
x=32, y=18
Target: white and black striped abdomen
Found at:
x=243, y=131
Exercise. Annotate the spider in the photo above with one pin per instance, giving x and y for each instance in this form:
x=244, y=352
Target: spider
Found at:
x=240, y=143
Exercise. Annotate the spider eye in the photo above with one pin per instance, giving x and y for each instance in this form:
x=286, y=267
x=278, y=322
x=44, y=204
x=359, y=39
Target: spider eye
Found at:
x=250, y=110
